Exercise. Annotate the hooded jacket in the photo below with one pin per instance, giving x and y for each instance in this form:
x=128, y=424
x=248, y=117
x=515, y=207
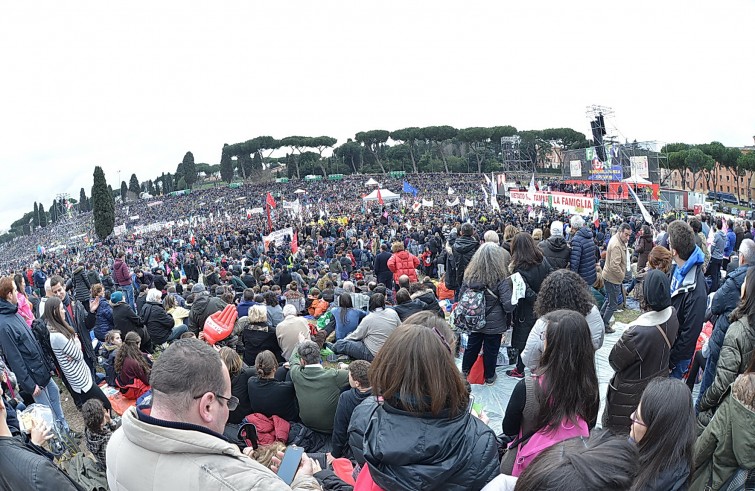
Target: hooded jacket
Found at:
x=582, y=259
x=689, y=298
x=203, y=307
x=463, y=249
x=403, y=263
x=121, y=273
x=126, y=321
x=642, y=247
x=159, y=323
x=22, y=351
x=728, y=443
x=143, y=455
x=104, y=321
x=80, y=284
x=557, y=251
x=406, y=451
x=724, y=302
x=736, y=352
x=640, y=355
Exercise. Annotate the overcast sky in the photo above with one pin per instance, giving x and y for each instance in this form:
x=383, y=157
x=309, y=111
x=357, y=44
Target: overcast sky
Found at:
x=132, y=86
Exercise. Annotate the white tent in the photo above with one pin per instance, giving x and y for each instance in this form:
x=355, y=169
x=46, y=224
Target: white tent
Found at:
x=371, y=182
x=635, y=179
x=299, y=191
x=384, y=193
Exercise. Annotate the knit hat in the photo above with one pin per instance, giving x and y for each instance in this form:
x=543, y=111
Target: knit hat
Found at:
x=557, y=229
x=656, y=290
x=116, y=297
x=198, y=288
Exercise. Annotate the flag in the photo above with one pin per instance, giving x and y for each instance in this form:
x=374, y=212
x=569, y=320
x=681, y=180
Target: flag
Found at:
x=643, y=210
x=427, y=203
x=408, y=188
x=450, y=190
x=468, y=202
x=493, y=187
x=380, y=198
x=484, y=191
x=270, y=200
x=295, y=243
x=595, y=218
x=531, y=187
x=452, y=203
x=487, y=179
x=416, y=206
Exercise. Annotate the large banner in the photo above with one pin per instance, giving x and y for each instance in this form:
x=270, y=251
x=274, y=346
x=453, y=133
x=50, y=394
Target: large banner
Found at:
x=277, y=236
x=602, y=171
x=571, y=203
x=639, y=166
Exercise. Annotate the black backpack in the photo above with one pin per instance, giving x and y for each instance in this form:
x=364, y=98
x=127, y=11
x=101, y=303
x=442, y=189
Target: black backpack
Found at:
x=42, y=335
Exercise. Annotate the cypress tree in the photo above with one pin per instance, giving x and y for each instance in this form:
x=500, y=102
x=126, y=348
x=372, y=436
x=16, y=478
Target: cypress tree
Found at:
x=103, y=205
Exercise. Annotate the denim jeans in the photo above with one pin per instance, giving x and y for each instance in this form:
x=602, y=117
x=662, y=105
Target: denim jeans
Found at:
x=680, y=369
x=177, y=331
x=611, y=302
x=128, y=292
x=354, y=349
x=50, y=396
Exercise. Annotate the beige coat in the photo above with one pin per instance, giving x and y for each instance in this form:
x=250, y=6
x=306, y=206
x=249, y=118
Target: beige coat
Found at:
x=616, y=261
x=144, y=457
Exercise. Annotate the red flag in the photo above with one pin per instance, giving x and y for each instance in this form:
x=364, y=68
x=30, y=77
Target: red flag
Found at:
x=380, y=198
x=270, y=201
x=295, y=243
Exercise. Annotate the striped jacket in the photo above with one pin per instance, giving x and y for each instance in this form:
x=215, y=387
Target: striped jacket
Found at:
x=71, y=361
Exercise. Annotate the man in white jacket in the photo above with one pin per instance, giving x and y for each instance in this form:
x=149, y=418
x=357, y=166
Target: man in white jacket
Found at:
x=180, y=444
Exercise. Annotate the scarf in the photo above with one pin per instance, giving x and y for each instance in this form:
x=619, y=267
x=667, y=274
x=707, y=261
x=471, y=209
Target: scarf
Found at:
x=679, y=276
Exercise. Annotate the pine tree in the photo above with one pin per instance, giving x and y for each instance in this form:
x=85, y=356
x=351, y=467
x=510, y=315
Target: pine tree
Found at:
x=124, y=191
x=133, y=185
x=226, y=166
x=42, y=215
x=103, y=205
x=35, y=217
x=190, y=169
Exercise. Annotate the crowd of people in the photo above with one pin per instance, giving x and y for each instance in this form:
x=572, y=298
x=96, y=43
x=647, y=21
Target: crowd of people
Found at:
x=356, y=335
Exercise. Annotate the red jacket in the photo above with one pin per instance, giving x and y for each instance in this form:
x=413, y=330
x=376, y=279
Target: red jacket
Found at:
x=403, y=263
x=269, y=430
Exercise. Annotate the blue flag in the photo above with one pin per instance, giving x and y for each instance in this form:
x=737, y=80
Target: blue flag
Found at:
x=408, y=188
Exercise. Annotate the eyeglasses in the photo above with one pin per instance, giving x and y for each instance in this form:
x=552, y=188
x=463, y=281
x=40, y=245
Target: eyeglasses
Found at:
x=633, y=418
x=443, y=339
x=232, y=402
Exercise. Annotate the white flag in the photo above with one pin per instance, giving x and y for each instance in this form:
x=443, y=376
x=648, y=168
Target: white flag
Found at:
x=452, y=203
x=643, y=210
x=427, y=203
x=450, y=191
x=468, y=203
x=484, y=191
x=531, y=187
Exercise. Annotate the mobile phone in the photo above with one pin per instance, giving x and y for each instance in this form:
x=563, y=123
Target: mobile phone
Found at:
x=290, y=464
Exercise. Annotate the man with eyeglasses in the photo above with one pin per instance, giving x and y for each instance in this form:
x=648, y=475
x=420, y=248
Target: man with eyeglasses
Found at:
x=614, y=271
x=180, y=444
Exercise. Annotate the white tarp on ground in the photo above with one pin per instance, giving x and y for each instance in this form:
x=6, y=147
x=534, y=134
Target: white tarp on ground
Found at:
x=384, y=193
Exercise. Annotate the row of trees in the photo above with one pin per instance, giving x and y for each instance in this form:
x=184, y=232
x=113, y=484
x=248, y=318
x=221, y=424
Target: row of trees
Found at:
x=703, y=160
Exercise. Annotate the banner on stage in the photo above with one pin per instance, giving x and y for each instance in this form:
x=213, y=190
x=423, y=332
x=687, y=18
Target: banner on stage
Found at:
x=571, y=203
x=639, y=166
x=575, y=167
x=602, y=171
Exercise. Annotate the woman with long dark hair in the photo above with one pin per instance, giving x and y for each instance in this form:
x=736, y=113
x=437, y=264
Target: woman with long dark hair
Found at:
x=738, y=344
x=132, y=367
x=485, y=273
x=529, y=266
x=663, y=426
x=66, y=346
x=562, y=391
x=562, y=290
x=347, y=318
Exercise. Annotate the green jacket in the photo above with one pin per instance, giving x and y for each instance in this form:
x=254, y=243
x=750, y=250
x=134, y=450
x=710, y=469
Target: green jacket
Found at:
x=317, y=391
x=735, y=355
x=728, y=443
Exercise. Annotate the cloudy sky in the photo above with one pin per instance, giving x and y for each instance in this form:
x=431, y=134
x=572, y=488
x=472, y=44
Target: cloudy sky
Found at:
x=132, y=86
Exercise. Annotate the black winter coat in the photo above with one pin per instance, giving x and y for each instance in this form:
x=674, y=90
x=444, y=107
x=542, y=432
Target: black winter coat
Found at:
x=408, y=452
x=258, y=338
x=204, y=306
x=495, y=314
x=25, y=466
x=80, y=285
x=463, y=249
x=22, y=351
x=126, y=320
x=159, y=323
x=639, y=356
x=557, y=251
x=524, y=316
x=383, y=274
x=583, y=252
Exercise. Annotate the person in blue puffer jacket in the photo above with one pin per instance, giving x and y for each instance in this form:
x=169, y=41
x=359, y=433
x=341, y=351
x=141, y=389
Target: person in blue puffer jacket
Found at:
x=582, y=259
x=100, y=306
